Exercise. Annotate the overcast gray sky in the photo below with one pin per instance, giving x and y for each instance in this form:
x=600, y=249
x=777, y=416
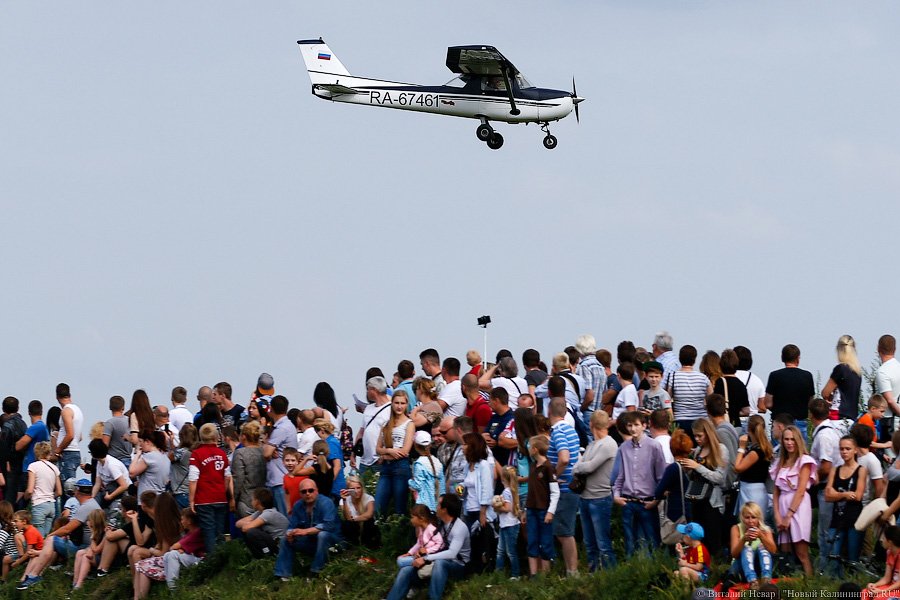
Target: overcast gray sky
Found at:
x=178, y=209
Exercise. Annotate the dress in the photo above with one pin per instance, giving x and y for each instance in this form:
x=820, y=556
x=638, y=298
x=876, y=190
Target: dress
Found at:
x=786, y=481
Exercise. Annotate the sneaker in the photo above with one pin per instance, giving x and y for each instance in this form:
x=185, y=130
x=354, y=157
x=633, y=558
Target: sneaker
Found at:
x=411, y=593
x=28, y=582
x=285, y=579
x=102, y=572
x=56, y=567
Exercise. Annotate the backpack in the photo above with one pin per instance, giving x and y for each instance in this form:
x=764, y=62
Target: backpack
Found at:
x=580, y=428
x=11, y=432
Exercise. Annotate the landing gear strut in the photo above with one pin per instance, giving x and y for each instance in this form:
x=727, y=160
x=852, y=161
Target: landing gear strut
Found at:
x=549, y=140
x=486, y=133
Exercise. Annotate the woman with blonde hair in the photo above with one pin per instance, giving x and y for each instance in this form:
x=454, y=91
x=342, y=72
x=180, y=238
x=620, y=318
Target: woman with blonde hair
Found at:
x=794, y=473
x=842, y=389
x=248, y=469
x=752, y=543
x=358, y=509
x=707, y=466
x=394, y=445
x=427, y=412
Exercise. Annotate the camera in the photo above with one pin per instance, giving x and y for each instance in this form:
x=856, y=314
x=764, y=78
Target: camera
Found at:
x=484, y=320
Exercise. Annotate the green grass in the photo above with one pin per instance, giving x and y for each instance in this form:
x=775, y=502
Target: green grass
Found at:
x=232, y=574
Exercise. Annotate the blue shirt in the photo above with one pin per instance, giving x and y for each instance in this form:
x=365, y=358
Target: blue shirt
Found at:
x=563, y=437
x=335, y=452
x=324, y=516
x=38, y=432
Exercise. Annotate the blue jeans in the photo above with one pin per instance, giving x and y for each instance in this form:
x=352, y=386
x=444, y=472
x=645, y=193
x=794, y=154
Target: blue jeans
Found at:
x=509, y=536
x=42, y=516
x=748, y=564
x=826, y=509
x=68, y=464
x=405, y=561
x=540, y=534
x=640, y=526
x=837, y=537
x=596, y=514
x=393, y=484
x=801, y=425
x=212, y=521
x=279, y=499
x=316, y=545
x=443, y=571
x=182, y=500
x=586, y=418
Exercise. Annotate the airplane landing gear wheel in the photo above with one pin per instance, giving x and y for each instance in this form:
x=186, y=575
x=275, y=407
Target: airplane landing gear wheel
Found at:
x=484, y=132
x=495, y=141
x=550, y=142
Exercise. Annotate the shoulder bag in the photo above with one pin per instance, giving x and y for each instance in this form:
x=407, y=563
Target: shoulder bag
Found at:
x=668, y=529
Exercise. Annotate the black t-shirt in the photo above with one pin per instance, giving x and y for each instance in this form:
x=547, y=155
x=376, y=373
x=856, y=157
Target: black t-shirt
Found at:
x=848, y=384
x=494, y=428
x=144, y=521
x=759, y=471
x=737, y=397
x=233, y=417
x=791, y=388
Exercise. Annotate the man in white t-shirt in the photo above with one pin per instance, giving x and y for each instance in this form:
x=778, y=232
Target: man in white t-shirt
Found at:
x=430, y=361
x=451, y=397
x=563, y=368
x=825, y=450
x=887, y=378
x=71, y=421
x=659, y=431
x=179, y=415
x=505, y=374
x=375, y=418
x=112, y=480
x=756, y=388
x=307, y=435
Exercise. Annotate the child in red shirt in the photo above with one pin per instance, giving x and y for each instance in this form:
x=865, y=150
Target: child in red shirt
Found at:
x=291, y=482
x=693, y=556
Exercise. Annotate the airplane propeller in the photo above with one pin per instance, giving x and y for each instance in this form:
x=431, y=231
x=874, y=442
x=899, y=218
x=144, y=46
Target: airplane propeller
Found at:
x=576, y=101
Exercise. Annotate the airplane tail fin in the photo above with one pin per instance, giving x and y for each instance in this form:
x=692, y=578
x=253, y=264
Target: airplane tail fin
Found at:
x=321, y=62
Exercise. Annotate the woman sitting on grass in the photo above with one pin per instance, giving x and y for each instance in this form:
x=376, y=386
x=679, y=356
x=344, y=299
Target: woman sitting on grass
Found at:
x=87, y=558
x=186, y=552
x=752, y=539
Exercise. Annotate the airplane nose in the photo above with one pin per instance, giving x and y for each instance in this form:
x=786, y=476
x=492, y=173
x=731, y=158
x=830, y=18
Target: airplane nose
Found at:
x=576, y=100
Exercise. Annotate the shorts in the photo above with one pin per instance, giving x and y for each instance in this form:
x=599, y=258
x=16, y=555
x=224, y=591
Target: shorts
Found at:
x=704, y=574
x=64, y=547
x=566, y=512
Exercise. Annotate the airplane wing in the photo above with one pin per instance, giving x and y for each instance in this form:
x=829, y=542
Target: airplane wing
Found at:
x=479, y=60
x=484, y=61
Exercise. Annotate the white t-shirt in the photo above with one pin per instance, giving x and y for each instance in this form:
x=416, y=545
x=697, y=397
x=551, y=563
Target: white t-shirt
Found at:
x=507, y=519
x=756, y=389
x=77, y=423
x=178, y=416
x=306, y=440
x=351, y=508
x=374, y=420
x=825, y=445
x=453, y=396
x=45, y=477
x=510, y=386
x=627, y=397
x=665, y=441
x=887, y=379
x=111, y=469
x=873, y=466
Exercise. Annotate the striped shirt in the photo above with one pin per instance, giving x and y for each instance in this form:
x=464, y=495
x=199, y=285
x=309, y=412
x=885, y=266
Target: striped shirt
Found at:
x=594, y=376
x=563, y=437
x=688, y=391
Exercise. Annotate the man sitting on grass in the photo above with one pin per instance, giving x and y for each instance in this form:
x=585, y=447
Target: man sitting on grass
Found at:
x=57, y=544
x=313, y=528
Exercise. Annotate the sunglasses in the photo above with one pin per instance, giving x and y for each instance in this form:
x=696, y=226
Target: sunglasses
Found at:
x=310, y=491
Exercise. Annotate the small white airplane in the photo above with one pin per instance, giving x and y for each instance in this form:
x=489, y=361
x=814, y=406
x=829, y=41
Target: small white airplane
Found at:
x=489, y=88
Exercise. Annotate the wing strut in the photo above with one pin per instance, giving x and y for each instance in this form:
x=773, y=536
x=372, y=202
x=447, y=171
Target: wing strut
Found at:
x=509, y=91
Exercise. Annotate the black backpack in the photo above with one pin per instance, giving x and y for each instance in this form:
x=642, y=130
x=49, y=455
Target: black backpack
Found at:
x=580, y=427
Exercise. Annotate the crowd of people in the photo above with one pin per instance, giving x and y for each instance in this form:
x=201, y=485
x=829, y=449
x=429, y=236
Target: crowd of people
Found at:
x=491, y=466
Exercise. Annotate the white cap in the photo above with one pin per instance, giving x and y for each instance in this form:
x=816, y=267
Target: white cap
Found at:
x=423, y=438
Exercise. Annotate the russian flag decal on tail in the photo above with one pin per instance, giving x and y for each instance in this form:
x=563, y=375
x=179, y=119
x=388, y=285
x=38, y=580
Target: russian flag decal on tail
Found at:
x=323, y=56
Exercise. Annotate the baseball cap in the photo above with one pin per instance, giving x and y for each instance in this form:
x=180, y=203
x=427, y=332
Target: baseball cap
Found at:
x=692, y=530
x=265, y=384
x=84, y=483
x=423, y=438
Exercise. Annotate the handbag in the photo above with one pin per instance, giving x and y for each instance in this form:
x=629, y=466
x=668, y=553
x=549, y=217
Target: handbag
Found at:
x=785, y=563
x=699, y=488
x=578, y=483
x=668, y=529
x=424, y=572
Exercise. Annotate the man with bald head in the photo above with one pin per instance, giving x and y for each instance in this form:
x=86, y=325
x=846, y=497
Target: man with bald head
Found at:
x=204, y=395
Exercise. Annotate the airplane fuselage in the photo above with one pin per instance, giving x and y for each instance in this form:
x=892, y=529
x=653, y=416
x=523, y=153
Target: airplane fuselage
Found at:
x=534, y=104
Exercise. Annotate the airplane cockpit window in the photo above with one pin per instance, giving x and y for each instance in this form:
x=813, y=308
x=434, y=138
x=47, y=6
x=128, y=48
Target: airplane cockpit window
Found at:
x=522, y=83
x=459, y=82
x=493, y=83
